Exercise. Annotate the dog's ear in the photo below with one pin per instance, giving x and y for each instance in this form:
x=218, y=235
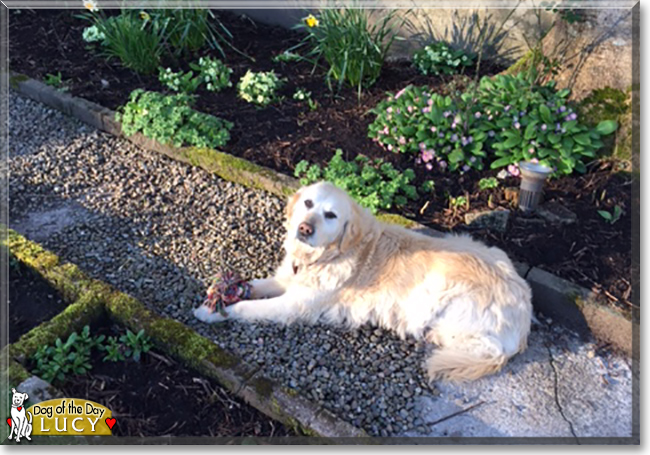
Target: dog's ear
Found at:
x=25, y=397
x=291, y=203
x=352, y=231
x=13, y=390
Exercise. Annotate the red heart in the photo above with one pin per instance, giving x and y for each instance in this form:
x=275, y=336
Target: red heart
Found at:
x=110, y=422
x=19, y=408
x=9, y=420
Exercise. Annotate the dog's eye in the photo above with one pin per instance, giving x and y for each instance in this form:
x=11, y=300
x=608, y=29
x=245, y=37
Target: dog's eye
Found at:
x=308, y=203
x=330, y=215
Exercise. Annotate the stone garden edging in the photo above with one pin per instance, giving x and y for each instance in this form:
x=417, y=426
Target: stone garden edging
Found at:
x=92, y=299
x=576, y=307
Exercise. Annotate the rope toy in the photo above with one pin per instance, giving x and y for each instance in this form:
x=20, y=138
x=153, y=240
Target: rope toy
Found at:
x=227, y=289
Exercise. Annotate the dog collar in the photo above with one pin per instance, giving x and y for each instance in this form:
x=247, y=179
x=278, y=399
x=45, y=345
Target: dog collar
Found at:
x=17, y=407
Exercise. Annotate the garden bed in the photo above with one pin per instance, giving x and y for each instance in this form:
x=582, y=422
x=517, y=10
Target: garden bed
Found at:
x=32, y=299
x=157, y=396
x=589, y=252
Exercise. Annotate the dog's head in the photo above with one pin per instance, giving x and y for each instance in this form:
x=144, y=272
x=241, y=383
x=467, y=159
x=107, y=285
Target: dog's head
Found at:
x=18, y=398
x=320, y=218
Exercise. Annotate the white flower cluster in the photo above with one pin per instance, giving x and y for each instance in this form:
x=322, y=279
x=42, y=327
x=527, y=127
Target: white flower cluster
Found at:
x=215, y=74
x=170, y=79
x=92, y=34
x=301, y=95
x=259, y=88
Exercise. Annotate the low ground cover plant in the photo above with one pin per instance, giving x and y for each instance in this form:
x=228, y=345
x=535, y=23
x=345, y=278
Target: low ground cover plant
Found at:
x=438, y=58
x=259, y=88
x=211, y=73
x=344, y=40
x=170, y=119
x=53, y=363
x=56, y=81
x=374, y=184
x=501, y=122
x=303, y=95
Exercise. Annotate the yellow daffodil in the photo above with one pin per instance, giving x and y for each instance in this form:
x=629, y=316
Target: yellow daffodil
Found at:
x=91, y=5
x=144, y=16
x=311, y=21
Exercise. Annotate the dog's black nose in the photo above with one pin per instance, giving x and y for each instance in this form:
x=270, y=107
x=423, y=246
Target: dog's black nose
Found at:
x=305, y=229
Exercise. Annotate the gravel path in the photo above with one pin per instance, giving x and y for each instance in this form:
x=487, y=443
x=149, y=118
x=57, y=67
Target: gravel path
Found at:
x=154, y=228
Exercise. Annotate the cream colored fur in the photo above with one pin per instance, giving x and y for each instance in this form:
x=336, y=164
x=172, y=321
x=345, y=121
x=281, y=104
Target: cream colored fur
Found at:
x=455, y=292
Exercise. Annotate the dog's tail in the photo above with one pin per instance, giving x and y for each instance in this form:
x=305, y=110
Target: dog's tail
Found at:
x=463, y=364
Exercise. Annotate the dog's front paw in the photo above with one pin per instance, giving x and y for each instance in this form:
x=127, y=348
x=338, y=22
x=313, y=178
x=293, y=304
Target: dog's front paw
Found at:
x=205, y=314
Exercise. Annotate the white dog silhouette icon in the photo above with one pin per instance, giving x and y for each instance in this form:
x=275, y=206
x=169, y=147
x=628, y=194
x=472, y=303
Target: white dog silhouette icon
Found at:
x=20, y=425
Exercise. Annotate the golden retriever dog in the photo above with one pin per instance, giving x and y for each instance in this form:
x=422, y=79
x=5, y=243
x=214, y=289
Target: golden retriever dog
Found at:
x=344, y=267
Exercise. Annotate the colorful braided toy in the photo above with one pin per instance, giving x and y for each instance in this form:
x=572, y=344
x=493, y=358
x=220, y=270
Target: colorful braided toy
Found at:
x=227, y=289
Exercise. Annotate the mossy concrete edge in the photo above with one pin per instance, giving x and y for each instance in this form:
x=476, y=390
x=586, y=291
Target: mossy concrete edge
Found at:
x=251, y=175
x=94, y=299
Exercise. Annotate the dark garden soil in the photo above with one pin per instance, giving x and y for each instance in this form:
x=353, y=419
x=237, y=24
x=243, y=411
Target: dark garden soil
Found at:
x=589, y=252
x=31, y=299
x=159, y=397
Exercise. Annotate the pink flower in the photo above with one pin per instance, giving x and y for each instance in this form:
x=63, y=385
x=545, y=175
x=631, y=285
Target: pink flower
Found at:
x=390, y=148
x=422, y=145
x=443, y=164
x=389, y=110
x=427, y=155
x=513, y=169
x=402, y=140
x=410, y=109
x=434, y=129
x=429, y=166
x=534, y=161
x=430, y=102
x=400, y=93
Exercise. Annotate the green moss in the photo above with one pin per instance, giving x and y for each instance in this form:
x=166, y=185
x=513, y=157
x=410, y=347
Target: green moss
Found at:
x=237, y=170
x=396, y=219
x=176, y=338
x=263, y=387
x=16, y=372
x=523, y=64
x=28, y=252
x=16, y=79
x=611, y=104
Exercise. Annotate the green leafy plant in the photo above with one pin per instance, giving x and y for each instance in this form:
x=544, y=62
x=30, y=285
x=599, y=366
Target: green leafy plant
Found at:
x=135, y=344
x=56, y=81
x=488, y=183
x=457, y=202
x=374, y=184
x=259, y=88
x=438, y=58
x=286, y=57
x=443, y=132
x=503, y=121
x=170, y=119
x=353, y=49
x=188, y=30
x=179, y=82
x=612, y=217
x=53, y=363
x=114, y=350
x=138, y=44
x=530, y=122
x=213, y=73
x=302, y=95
